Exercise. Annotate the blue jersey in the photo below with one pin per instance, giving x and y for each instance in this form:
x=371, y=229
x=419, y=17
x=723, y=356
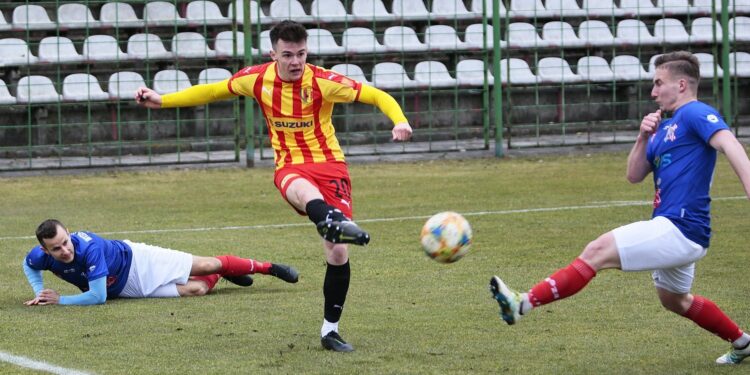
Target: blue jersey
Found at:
x=683, y=163
x=95, y=257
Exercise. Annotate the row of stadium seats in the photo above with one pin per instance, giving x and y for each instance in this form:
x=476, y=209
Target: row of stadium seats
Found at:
x=204, y=12
x=387, y=75
x=555, y=34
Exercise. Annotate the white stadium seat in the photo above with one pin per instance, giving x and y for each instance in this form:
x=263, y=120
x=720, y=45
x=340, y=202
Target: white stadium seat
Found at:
x=321, y=42
x=4, y=25
x=289, y=10
x=476, y=7
x=707, y=65
x=739, y=64
x=524, y=35
x=361, y=40
x=470, y=72
x=442, y=38
x=117, y=14
x=265, y=42
x=32, y=17
x=629, y=68
x=76, y=16
x=556, y=70
x=595, y=33
x=102, y=48
x=224, y=44
x=670, y=30
x=122, y=85
x=516, y=72
x=410, y=9
x=171, y=80
x=147, y=46
x=371, y=10
x=564, y=8
x=36, y=89
x=189, y=44
x=702, y=30
x=433, y=74
x=389, y=76
x=561, y=34
x=352, y=71
x=5, y=96
x=54, y=49
x=634, y=32
x=528, y=9
x=329, y=11
x=451, y=10
x=594, y=69
x=82, y=87
x=636, y=8
x=162, y=13
x=211, y=75
x=257, y=15
x=673, y=7
x=401, y=38
x=739, y=29
x=15, y=52
x=200, y=12
x=703, y=7
x=601, y=8
x=474, y=34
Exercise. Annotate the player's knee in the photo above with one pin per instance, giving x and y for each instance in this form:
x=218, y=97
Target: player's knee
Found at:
x=600, y=254
x=337, y=254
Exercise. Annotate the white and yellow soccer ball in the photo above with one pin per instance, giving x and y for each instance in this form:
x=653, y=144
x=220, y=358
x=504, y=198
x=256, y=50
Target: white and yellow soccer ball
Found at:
x=446, y=237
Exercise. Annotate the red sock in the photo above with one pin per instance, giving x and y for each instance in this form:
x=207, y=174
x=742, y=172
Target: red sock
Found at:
x=706, y=314
x=563, y=283
x=236, y=266
x=210, y=280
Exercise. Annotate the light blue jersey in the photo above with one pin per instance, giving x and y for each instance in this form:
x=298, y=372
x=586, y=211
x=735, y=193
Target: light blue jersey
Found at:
x=683, y=163
x=95, y=257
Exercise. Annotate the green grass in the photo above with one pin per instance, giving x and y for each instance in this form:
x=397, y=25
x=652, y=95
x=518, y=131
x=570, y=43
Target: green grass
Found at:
x=405, y=313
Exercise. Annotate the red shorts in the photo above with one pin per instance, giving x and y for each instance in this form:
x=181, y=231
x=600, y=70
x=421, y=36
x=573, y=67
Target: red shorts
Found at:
x=332, y=179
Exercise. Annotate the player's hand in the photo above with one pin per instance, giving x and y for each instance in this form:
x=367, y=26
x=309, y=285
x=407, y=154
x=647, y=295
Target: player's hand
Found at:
x=401, y=132
x=32, y=302
x=147, y=98
x=650, y=123
x=48, y=297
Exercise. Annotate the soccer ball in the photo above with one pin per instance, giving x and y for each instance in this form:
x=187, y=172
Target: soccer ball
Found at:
x=446, y=237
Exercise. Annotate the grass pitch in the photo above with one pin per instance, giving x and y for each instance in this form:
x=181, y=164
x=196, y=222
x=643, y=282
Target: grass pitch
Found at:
x=405, y=313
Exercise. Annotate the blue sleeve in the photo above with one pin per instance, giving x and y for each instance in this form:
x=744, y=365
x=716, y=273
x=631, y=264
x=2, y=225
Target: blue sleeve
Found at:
x=96, y=295
x=34, y=277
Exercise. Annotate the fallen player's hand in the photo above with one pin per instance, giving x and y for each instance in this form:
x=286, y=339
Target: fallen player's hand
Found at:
x=401, y=132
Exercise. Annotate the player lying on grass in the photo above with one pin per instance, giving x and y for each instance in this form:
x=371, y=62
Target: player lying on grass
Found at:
x=103, y=268
x=681, y=153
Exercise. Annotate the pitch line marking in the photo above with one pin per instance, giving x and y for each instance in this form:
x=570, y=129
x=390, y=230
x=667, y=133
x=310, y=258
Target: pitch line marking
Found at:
x=594, y=205
x=38, y=365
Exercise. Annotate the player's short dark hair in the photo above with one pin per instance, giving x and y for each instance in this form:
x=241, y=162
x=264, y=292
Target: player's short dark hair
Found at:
x=288, y=31
x=47, y=229
x=681, y=63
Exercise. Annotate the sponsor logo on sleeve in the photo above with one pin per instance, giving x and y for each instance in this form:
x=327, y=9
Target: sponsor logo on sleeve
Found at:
x=712, y=118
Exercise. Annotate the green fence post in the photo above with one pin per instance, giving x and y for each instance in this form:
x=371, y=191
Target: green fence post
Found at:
x=497, y=89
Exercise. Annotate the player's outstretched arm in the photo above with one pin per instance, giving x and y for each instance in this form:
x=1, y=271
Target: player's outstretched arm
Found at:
x=725, y=142
x=148, y=98
x=96, y=295
x=190, y=97
x=370, y=95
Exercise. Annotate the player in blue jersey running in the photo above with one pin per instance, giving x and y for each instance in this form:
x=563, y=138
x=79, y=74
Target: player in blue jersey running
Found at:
x=103, y=268
x=681, y=153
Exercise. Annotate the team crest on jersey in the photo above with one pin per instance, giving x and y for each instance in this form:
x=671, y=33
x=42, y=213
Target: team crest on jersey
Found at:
x=712, y=118
x=305, y=94
x=670, y=136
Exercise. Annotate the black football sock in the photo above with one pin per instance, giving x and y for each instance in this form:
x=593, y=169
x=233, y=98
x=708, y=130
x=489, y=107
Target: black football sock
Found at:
x=335, y=287
x=318, y=210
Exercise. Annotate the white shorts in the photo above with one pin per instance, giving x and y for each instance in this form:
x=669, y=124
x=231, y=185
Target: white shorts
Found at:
x=658, y=245
x=156, y=271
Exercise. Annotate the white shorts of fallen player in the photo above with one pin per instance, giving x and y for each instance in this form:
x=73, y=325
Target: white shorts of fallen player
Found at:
x=659, y=246
x=156, y=271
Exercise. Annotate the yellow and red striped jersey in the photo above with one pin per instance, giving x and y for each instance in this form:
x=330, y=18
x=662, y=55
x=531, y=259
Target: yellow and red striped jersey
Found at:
x=298, y=114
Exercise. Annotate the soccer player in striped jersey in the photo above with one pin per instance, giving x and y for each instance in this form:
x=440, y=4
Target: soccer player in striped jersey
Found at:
x=102, y=268
x=297, y=101
x=681, y=152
